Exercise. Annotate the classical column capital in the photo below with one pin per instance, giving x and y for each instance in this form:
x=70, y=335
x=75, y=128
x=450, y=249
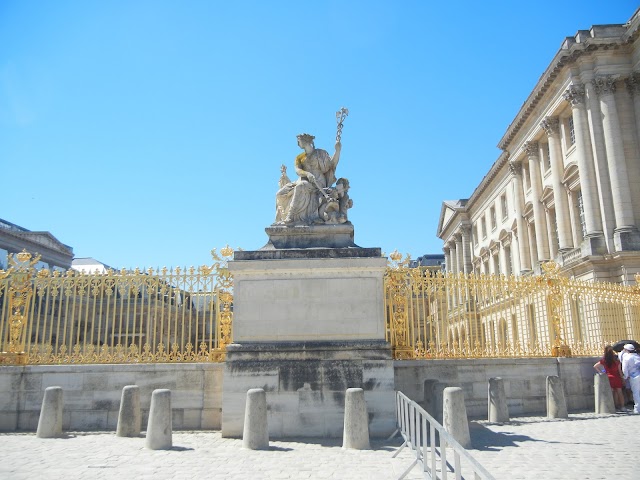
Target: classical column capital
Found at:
x=605, y=85
x=551, y=125
x=516, y=168
x=633, y=83
x=574, y=94
x=466, y=230
x=532, y=149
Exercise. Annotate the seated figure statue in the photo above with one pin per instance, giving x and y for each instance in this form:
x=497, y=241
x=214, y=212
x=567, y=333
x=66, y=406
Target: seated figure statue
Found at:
x=311, y=199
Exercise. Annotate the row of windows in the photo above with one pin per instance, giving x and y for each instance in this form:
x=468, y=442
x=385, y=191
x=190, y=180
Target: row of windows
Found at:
x=504, y=211
x=553, y=238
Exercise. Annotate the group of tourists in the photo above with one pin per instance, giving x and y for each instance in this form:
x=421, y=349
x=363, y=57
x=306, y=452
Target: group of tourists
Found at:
x=623, y=371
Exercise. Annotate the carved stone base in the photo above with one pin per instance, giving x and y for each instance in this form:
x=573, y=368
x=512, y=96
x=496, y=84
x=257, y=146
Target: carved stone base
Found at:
x=626, y=239
x=593, y=245
x=310, y=236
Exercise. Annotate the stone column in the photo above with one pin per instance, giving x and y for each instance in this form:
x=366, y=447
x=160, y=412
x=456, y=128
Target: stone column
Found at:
x=633, y=85
x=626, y=235
x=551, y=126
x=597, y=154
x=466, y=248
x=523, y=244
x=592, y=217
x=626, y=102
x=459, y=255
x=575, y=223
x=550, y=226
x=447, y=258
x=533, y=252
x=542, y=243
x=454, y=257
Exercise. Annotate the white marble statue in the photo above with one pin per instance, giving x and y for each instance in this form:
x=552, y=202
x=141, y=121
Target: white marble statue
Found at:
x=313, y=198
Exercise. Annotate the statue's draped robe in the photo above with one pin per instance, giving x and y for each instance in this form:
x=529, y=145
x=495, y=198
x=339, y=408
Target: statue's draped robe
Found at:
x=300, y=200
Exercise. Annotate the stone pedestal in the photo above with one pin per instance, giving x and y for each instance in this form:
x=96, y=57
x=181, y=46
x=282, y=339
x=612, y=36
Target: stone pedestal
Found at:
x=308, y=324
x=310, y=236
x=626, y=239
x=308, y=295
x=593, y=244
x=305, y=385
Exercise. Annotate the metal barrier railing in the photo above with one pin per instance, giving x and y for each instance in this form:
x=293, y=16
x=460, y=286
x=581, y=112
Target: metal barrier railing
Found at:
x=429, y=442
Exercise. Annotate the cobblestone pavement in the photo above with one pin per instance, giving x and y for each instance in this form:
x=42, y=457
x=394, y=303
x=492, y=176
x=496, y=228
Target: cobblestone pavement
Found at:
x=581, y=447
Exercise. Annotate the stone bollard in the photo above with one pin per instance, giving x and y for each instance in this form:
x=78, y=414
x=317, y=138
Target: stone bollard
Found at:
x=498, y=409
x=454, y=415
x=129, y=418
x=255, y=435
x=50, y=421
x=556, y=402
x=159, y=425
x=603, y=394
x=356, y=421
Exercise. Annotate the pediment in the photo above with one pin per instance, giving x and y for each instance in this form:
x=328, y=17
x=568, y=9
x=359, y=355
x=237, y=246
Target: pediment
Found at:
x=46, y=240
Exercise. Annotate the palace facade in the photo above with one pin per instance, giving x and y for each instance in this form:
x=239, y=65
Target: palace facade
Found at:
x=566, y=186
x=54, y=255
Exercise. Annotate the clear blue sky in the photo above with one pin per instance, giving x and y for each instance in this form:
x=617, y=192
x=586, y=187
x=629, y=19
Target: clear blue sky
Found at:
x=145, y=133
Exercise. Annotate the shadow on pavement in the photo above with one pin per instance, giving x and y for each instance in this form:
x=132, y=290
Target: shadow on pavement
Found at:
x=180, y=449
x=483, y=438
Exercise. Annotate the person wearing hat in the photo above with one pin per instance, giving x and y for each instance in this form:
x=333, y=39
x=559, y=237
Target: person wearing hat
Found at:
x=631, y=371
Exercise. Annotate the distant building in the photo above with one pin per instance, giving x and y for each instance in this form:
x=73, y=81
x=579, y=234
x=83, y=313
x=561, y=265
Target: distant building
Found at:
x=54, y=254
x=428, y=260
x=567, y=184
x=89, y=265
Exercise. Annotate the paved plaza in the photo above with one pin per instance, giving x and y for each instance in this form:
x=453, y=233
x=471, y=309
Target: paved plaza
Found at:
x=581, y=447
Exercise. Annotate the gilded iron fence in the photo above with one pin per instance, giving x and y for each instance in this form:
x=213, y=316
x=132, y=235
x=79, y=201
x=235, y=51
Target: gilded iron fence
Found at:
x=431, y=314
x=165, y=315
x=185, y=315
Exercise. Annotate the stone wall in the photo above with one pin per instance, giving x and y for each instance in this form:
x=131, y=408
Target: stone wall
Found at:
x=524, y=381
x=92, y=394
